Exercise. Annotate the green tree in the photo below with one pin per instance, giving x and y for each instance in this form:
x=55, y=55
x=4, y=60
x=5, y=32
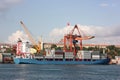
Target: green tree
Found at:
x=112, y=51
x=53, y=46
x=8, y=50
x=58, y=48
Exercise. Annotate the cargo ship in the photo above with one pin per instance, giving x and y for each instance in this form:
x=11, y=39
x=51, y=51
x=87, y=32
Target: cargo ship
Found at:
x=83, y=62
x=70, y=54
x=58, y=57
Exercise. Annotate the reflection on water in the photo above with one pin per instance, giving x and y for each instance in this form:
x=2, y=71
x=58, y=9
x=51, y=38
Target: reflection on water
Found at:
x=59, y=72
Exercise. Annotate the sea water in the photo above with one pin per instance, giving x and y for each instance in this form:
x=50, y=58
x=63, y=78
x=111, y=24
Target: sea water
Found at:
x=59, y=72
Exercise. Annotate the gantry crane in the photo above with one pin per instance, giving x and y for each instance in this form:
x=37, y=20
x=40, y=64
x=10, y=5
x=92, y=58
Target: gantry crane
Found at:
x=36, y=45
x=71, y=39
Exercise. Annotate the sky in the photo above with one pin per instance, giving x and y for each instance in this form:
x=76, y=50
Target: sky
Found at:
x=49, y=18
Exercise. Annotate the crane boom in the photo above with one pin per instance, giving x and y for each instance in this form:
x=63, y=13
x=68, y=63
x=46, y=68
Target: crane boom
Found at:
x=37, y=46
x=84, y=38
x=71, y=39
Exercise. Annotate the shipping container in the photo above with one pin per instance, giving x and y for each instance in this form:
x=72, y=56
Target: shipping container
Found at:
x=49, y=57
x=84, y=54
x=69, y=55
x=95, y=52
x=95, y=56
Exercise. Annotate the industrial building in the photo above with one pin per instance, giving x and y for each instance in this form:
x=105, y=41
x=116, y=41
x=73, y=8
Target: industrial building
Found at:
x=6, y=58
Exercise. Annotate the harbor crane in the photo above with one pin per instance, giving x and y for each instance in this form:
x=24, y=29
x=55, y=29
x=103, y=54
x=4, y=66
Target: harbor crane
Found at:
x=71, y=39
x=36, y=45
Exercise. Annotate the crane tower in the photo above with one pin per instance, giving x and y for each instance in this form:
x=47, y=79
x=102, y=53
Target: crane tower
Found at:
x=72, y=39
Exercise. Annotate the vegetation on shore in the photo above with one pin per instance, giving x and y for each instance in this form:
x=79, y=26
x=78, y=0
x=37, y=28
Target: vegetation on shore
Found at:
x=111, y=50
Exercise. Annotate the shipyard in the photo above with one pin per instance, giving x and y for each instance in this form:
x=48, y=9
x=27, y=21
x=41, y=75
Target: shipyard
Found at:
x=59, y=40
x=68, y=51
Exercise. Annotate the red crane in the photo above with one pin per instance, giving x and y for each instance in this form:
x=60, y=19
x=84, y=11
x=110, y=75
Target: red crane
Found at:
x=71, y=39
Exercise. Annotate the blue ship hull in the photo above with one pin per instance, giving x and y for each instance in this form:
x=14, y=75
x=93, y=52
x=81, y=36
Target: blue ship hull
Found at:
x=34, y=61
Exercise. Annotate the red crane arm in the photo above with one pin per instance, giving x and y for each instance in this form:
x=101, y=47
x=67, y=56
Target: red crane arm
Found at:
x=76, y=27
x=84, y=38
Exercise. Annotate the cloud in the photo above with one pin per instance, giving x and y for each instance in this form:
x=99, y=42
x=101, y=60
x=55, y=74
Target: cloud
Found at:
x=108, y=5
x=5, y=5
x=102, y=34
x=104, y=5
x=15, y=36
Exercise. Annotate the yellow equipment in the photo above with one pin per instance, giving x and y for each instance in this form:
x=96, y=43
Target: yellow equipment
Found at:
x=37, y=46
